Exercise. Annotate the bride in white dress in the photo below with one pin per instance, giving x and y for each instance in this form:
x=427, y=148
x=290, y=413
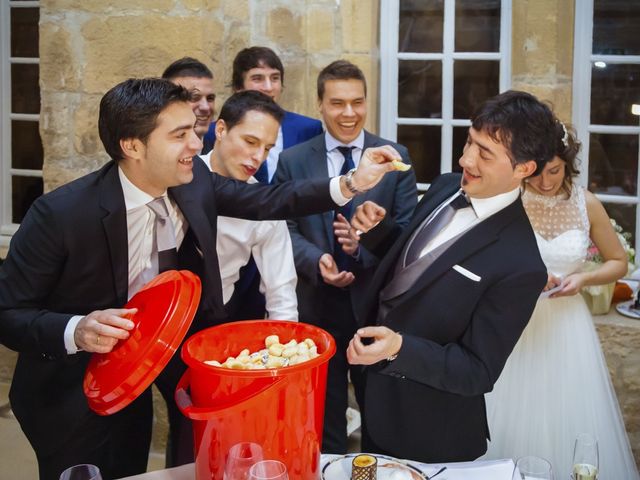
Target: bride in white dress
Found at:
x=555, y=385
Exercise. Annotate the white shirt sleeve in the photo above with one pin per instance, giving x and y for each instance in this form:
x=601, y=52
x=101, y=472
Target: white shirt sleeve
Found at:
x=336, y=192
x=69, y=331
x=273, y=255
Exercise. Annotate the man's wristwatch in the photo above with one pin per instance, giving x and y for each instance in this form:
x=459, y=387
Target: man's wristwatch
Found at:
x=348, y=179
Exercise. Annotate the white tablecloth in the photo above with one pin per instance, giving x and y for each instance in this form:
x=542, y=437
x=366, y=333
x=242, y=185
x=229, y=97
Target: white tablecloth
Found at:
x=478, y=470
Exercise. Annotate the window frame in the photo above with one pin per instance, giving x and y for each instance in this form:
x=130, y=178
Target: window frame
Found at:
x=7, y=226
x=389, y=62
x=583, y=58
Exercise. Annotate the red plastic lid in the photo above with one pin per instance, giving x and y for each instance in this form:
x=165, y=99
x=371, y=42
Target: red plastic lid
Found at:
x=166, y=307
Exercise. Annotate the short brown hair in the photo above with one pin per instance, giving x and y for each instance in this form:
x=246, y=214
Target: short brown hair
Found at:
x=340, y=70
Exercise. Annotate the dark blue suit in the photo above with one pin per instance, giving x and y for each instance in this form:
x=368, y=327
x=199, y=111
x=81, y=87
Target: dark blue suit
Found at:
x=312, y=236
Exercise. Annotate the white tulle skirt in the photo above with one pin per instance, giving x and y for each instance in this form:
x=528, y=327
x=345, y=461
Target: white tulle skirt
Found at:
x=554, y=386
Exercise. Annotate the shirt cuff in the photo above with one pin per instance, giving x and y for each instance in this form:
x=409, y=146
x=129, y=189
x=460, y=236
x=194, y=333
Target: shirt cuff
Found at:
x=336, y=192
x=69, y=331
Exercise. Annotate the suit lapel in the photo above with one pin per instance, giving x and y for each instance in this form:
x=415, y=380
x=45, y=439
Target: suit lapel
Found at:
x=369, y=142
x=317, y=168
x=115, y=230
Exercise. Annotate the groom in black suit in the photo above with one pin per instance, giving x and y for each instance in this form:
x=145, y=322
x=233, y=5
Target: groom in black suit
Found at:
x=85, y=248
x=454, y=290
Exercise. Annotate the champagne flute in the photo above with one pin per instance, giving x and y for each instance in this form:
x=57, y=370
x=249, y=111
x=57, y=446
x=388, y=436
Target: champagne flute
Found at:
x=530, y=468
x=240, y=459
x=81, y=472
x=585, y=458
x=268, y=470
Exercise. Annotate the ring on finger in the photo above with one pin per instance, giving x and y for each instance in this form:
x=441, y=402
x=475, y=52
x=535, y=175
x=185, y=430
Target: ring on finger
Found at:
x=98, y=340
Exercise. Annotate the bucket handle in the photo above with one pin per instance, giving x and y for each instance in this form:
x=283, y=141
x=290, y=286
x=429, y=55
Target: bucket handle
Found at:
x=185, y=404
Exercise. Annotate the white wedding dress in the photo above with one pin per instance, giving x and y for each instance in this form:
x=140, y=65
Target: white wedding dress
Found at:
x=555, y=384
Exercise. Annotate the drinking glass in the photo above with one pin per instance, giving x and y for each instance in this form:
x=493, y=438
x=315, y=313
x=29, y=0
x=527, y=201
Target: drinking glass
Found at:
x=268, y=470
x=585, y=458
x=241, y=457
x=81, y=472
x=530, y=468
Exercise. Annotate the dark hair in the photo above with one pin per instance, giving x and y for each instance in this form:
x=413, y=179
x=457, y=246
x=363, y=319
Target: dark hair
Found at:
x=131, y=109
x=253, y=57
x=568, y=153
x=187, y=67
x=525, y=126
x=340, y=70
x=238, y=104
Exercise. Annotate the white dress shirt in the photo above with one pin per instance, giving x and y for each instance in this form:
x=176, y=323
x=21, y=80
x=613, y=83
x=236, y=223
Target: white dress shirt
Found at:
x=143, y=262
x=270, y=244
x=274, y=154
x=335, y=159
x=466, y=218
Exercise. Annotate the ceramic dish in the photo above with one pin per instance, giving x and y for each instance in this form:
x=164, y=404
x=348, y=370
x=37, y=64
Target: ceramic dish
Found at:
x=389, y=468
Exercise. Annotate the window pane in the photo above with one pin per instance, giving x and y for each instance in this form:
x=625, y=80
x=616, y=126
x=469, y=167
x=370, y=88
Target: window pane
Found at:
x=625, y=216
x=26, y=146
x=420, y=89
x=25, y=91
x=24, y=32
x=459, y=140
x=473, y=83
x=421, y=26
x=477, y=26
x=24, y=191
x=615, y=27
x=614, y=89
x=424, y=144
x=613, y=164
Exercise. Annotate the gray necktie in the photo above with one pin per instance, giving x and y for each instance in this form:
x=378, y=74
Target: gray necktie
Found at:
x=165, y=238
x=431, y=228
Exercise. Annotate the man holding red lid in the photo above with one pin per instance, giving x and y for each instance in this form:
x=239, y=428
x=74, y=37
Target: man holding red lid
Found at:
x=88, y=246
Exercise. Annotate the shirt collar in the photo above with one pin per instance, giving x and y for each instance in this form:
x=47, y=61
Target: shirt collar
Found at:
x=484, y=207
x=332, y=143
x=133, y=196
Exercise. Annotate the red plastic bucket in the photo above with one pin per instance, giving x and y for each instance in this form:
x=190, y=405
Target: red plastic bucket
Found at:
x=280, y=409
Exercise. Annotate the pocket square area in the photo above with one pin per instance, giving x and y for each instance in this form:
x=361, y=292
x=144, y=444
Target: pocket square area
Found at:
x=470, y=275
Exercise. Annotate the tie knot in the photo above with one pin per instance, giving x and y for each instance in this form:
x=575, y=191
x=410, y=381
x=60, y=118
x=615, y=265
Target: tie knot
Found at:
x=158, y=207
x=345, y=151
x=461, y=201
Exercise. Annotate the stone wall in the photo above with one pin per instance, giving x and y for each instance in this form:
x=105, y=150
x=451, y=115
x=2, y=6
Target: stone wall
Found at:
x=88, y=46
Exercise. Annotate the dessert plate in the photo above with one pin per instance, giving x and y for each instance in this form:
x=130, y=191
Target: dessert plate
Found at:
x=389, y=468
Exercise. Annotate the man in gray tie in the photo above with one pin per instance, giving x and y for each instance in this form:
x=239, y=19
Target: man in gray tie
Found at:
x=88, y=246
x=332, y=276
x=454, y=290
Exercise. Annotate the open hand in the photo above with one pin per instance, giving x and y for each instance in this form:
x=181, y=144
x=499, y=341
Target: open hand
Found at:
x=101, y=329
x=330, y=274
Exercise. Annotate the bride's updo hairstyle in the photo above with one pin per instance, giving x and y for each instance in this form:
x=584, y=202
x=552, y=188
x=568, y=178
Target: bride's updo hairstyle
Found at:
x=567, y=148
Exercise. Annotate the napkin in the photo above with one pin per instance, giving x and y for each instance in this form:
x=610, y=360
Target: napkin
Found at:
x=478, y=470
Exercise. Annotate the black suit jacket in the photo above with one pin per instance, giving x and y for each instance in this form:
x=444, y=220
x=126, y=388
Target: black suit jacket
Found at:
x=428, y=404
x=312, y=236
x=70, y=257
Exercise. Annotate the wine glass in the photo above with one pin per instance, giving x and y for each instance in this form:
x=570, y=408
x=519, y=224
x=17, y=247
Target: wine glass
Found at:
x=268, y=470
x=81, y=472
x=585, y=458
x=530, y=468
x=241, y=457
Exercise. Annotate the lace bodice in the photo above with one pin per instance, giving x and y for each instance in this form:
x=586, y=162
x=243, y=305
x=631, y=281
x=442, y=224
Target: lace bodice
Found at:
x=562, y=227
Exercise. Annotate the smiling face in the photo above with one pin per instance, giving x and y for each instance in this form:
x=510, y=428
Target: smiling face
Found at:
x=264, y=79
x=344, y=108
x=165, y=160
x=486, y=167
x=239, y=151
x=551, y=180
x=202, y=100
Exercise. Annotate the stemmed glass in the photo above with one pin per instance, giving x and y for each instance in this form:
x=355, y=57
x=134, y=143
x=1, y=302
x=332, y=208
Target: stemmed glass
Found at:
x=241, y=457
x=268, y=470
x=585, y=458
x=532, y=468
x=81, y=472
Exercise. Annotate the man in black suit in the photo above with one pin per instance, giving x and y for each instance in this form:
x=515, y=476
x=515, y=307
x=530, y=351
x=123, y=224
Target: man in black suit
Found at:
x=332, y=276
x=88, y=246
x=453, y=291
